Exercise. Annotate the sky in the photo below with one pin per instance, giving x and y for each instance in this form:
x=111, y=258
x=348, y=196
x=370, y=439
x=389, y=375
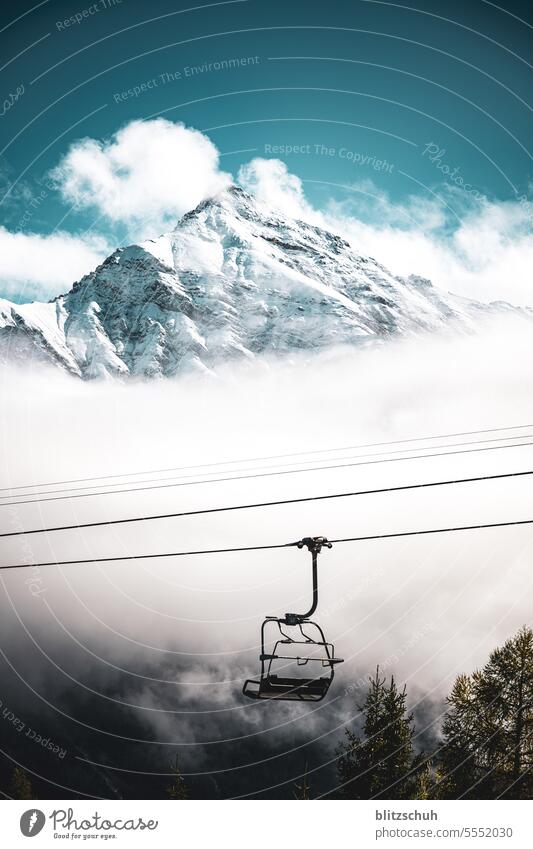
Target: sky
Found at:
x=405, y=128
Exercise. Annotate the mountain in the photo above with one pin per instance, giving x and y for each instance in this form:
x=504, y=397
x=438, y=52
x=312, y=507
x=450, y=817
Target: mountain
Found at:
x=233, y=279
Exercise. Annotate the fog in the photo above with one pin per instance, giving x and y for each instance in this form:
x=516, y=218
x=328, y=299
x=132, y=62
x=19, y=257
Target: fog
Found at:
x=156, y=650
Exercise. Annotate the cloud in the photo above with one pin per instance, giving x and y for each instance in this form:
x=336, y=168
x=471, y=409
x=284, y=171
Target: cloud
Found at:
x=33, y=266
x=480, y=249
x=486, y=253
x=270, y=181
x=146, y=176
x=425, y=608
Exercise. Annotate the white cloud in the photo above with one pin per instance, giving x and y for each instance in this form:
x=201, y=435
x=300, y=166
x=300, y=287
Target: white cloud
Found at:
x=33, y=266
x=150, y=173
x=146, y=176
x=270, y=181
x=486, y=252
x=478, y=249
x=472, y=589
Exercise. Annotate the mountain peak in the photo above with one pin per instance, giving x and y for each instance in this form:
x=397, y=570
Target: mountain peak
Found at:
x=232, y=280
x=233, y=200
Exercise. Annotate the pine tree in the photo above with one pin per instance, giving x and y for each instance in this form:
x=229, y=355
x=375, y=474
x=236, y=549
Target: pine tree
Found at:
x=381, y=765
x=303, y=790
x=178, y=788
x=488, y=727
x=458, y=767
x=20, y=785
x=424, y=777
x=424, y=788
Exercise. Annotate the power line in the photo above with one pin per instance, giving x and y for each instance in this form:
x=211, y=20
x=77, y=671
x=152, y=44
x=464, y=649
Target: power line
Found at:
x=258, y=471
x=260, y=504
x=263, y=547
x=271, y=457
x=268, y=474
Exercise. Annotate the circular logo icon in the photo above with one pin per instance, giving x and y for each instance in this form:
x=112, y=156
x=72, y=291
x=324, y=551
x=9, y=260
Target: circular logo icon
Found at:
x=32, y=822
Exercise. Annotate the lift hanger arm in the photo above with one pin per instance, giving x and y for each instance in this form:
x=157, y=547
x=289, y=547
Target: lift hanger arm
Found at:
x=314, y=545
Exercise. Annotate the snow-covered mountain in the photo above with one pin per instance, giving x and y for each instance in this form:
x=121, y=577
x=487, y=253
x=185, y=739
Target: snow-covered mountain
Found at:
x=234, y=279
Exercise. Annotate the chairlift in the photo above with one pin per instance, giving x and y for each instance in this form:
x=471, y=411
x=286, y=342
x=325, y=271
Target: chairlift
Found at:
x=297, y=642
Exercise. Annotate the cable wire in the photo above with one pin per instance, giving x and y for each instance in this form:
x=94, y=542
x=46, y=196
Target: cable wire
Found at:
x=270, y=457
x=268, y=474
x=396, y=534
x=259, y=470
x=261, y=504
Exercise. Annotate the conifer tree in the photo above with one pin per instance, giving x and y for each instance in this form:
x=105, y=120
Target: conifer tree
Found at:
x=381, y=765
x=178, y=787
x=302, y=790
x=424, y=788
x=488, y=727
x=20, y=785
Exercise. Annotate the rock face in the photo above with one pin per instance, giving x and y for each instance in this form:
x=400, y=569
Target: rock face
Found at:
x=234, y=279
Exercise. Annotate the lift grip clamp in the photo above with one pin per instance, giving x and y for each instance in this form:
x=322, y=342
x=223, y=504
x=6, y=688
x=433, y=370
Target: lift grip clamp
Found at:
x=314, y=544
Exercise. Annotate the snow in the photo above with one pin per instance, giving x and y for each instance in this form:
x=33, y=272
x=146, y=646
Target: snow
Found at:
x=232, y=280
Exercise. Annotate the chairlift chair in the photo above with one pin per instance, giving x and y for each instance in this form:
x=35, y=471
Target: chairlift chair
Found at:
x=294, y=631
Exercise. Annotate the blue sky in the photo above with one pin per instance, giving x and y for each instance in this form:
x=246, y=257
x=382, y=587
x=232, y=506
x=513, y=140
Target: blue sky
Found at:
x=375, y=107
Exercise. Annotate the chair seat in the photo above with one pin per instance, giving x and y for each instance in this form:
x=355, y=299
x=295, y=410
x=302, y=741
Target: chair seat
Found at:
x=295, y=689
